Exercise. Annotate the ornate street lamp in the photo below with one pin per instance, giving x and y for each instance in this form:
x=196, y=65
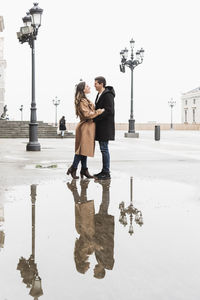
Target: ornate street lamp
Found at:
x=56, y=102
x=2, y=233
x=131, y=63
x=28, y=33
x=171, y=104
x=28, y=267
x=130, y=210
x=21, y=109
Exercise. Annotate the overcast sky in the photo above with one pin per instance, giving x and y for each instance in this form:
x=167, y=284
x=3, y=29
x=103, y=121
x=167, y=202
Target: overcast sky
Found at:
x=82, y=39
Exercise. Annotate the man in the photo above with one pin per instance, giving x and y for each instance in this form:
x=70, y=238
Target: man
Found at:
x=105, y=124
x=62, y=126
x=104, y=234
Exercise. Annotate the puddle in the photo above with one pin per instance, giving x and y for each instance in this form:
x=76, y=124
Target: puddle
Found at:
x=115, y=239
x=58, y=164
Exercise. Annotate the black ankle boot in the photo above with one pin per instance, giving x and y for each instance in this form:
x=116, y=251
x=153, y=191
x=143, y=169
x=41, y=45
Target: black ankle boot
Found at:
x=95, y=175
x=103, y=176
x=85, y=172
x=72, y=171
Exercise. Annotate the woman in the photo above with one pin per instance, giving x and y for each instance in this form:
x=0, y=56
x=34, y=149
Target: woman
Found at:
x=84, y=224
x=85, y=130
x=62, y=126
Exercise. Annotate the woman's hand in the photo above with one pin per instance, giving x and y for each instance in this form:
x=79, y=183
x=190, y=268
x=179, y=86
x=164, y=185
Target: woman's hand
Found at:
x=101, y=110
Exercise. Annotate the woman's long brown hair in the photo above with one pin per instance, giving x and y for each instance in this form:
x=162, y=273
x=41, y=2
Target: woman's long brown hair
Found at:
x=79, y=94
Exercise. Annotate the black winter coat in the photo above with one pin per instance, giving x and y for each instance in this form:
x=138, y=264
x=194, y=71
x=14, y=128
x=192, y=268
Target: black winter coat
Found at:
x=62, y=125
x=105, y=123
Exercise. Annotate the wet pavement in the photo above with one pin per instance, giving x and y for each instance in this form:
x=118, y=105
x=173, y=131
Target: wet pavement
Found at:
x=132, y=237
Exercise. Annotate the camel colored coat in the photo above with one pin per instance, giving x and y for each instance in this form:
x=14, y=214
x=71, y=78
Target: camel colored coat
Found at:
x=84, y=221
x=85, y=130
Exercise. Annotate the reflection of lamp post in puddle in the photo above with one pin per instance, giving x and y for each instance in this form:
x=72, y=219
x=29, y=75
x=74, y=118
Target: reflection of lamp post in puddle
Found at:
x=130, y=210
x=28, y=267
x=2, y=234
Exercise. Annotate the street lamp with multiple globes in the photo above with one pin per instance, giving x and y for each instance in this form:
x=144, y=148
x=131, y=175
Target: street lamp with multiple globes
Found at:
x=56, y=102
x=28, y=33
x=171, y=103
x=21, y=109
x=131, y=63
x=130, y=210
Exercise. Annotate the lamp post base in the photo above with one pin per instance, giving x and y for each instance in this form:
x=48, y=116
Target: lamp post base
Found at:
x=131, y=134
x=33, y=146
x=131, y=130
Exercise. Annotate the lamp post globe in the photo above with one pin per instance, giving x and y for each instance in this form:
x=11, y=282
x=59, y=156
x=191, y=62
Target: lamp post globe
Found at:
x=131, y=63
x=27, y=20
x=36, y=13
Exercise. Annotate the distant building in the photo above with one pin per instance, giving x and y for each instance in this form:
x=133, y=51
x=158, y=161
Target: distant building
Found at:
x=191, y=106
x=2, y=69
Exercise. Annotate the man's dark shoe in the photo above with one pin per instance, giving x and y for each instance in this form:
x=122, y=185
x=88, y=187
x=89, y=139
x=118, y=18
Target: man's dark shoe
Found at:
x=102, y=176
x=95, y=175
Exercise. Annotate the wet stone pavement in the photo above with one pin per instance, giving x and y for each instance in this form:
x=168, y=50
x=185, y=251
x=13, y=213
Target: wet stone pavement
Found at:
x=123, y=238
x=135, y=236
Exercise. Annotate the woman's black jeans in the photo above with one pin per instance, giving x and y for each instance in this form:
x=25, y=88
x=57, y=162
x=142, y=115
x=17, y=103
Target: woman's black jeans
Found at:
x=105, y=156
x=77, y=159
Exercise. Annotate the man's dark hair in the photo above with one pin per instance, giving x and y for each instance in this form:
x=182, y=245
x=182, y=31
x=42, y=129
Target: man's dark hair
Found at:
x=101, y=79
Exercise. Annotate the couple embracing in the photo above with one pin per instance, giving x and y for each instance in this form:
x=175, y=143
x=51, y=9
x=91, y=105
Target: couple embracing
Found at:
x=96, y=123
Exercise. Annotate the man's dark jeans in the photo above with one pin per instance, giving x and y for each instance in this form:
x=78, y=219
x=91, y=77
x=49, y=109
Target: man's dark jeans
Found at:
x=105, y=156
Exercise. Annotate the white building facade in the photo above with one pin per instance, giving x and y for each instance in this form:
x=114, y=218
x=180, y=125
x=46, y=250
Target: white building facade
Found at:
x=2, y=68
x=191, y=107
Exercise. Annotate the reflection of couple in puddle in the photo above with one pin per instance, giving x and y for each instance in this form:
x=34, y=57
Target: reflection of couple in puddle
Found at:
x=96, y=230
